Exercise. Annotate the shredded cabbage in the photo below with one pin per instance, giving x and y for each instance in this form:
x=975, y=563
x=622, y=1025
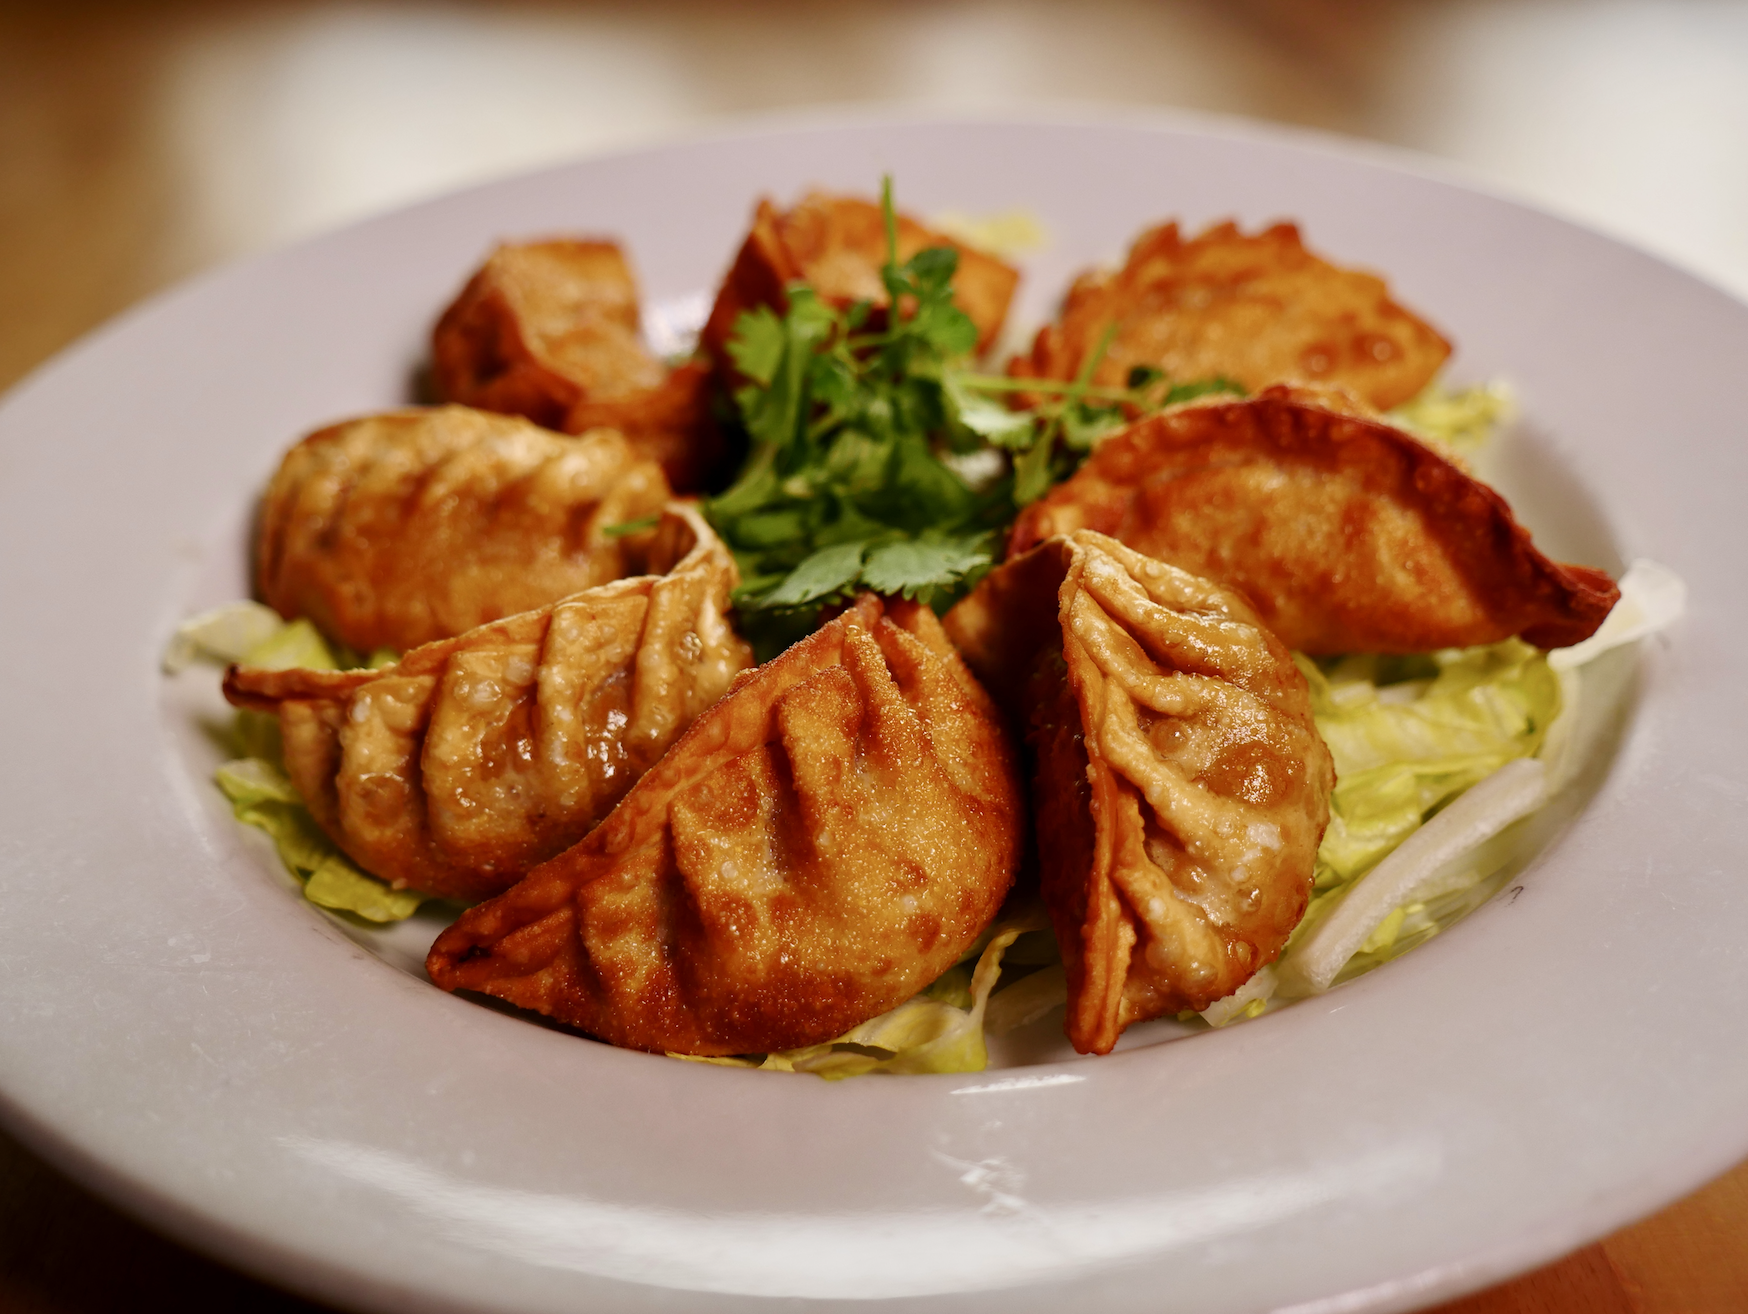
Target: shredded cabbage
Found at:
x=1459, y=420
x=1411, y=844
x=297, y=644
x=255, y=783
x=261, y=796
x=254, y=635
x=224, y=634
x=1009, y=234
x=1410, y=734
x=940, y=1030
x=1369, y=914
x=1440, y=870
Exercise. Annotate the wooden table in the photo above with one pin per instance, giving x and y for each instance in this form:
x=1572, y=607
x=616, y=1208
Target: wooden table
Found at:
x=113, y=182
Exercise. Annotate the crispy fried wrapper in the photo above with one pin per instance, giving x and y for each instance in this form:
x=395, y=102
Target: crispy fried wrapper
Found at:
x=837, y=245
x=1179, y=788
x=1254, y=309
x=549, y=330
x=1348, y=535
x=476, y=758
x=822, y=844
x=397, y=530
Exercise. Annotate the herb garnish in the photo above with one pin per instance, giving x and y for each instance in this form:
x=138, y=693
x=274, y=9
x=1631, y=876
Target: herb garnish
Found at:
x=858, y=434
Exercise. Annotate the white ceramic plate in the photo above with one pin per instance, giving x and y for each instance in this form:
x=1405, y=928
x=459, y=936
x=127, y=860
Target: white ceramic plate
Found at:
x=186, y=1034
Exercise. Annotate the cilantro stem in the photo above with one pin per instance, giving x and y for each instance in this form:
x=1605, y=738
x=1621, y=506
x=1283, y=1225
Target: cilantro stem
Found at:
x=998, y=383
x=1083, y=376
x=889, y=213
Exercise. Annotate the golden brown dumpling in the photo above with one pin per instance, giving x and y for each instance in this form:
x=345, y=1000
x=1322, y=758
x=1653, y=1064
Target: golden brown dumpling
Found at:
x=823, y=843
x=549, y=330
x=837, y=245
x=1347, y=535
x=475, y=758
x=1180, y=789
x=400, y=529
x=1257, y=310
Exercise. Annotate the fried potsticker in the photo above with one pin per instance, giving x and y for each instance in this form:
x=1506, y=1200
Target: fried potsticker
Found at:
x=822, y=844
x=1256, y=310
x=400, y=529
x=550, y=331
x=1348, y=535
x=837, y=245
x=475, y=758
x=1180, y=789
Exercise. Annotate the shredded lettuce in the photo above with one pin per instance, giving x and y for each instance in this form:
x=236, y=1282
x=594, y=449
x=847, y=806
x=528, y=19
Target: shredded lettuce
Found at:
x=262, y=796
x=298, y=644
x=224, y=634
x=255, y=783
x=1009, y=234
x=336, y=883
x=1447, y=864
x=1250, y=1000
x=939, y=1030
x=1368, y=914
x=1459, y=420
x=1409, y=735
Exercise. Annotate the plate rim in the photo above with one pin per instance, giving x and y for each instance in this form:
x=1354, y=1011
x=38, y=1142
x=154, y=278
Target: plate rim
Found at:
x=211, y=1234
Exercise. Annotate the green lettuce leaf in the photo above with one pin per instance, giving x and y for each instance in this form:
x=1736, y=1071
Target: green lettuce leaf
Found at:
x=297, y=644
x=941, y=1029
x=1410, y=734
x=224, y=634
x=931, y=1033
x=1461, y=420
x=919, y=566
x=337, y=884
x=262, y=796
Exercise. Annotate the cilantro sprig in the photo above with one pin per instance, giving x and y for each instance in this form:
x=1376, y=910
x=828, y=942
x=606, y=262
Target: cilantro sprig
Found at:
x=858, y=428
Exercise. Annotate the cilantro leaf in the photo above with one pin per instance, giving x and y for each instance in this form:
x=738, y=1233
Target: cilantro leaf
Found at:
x=625, y=527
x=986, y=418
x=829, y=571
x=757, y=345
x=1083, y=425
x=1032, y=474
x=922, y=565
x=856, y=424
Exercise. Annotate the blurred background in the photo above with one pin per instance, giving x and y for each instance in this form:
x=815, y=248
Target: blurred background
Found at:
x=143, y=142
x=140, y=142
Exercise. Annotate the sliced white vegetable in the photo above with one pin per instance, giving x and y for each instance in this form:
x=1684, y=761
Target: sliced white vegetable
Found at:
x=1259, y=987
x=1515, y=790
x=224, y=634
x=1027, y=1000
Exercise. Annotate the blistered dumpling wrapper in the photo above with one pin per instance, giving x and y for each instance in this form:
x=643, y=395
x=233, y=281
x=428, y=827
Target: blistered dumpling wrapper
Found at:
x=1253, y=308
x=475, y=758
x=1180, y=788
x=822, y=844
x=396, y=530
x=837, y=245
x=551, y=330
x=1347, y=534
